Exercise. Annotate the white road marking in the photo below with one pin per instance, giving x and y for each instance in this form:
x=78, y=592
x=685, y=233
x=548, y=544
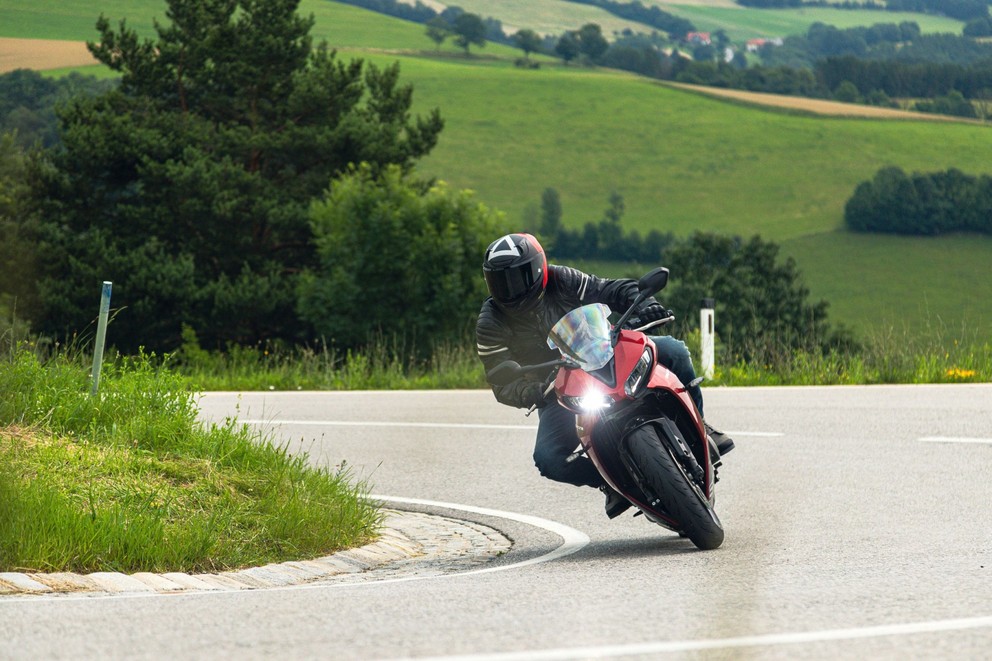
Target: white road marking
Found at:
x=572, y=541
x=955, y=439
x=351, y=423
x=768, y=640
x=444, y=425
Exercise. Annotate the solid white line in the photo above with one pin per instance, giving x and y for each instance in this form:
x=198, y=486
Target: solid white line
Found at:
x=444, y=425
x=955, y=439
x=351, y=423
x=572, y=541
x=767, y=640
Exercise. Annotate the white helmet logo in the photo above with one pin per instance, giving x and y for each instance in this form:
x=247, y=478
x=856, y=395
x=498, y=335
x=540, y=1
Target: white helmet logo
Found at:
x=504, y=248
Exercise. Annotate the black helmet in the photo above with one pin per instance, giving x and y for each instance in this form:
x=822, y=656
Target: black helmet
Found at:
x=516, y=271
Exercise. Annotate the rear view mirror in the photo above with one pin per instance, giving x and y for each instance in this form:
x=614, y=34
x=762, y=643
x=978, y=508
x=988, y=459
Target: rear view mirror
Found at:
x=653, y=282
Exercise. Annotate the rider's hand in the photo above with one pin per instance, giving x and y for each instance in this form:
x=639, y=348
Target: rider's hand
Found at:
x=546, y=393
x=653, y=312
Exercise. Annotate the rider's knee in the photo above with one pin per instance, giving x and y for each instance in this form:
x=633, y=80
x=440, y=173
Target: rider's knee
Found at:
x=552, y=467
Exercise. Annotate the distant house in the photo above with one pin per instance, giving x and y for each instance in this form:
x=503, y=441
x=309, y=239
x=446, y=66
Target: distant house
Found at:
x=754, y=44
x=698, y=38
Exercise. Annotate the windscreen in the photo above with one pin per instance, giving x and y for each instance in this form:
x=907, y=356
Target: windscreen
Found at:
x=583, y=335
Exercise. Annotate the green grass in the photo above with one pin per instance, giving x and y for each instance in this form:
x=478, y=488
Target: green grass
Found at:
x=130, y=481
x=680, y=160
x=383, y=365
x=925, y=285
x=886, y=355
x=549, y=16
x=342, y=26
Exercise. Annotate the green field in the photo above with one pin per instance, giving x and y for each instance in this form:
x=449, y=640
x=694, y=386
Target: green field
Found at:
x=681, y=161
x=557, y=16
x=342, y=26
x=685, y=162
x=741, y=24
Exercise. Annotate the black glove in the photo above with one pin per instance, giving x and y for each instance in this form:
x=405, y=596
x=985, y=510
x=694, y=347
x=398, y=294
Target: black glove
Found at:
x=653, y=312
x=541, y=398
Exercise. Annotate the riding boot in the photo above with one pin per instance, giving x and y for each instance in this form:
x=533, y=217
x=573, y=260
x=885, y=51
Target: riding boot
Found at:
x=615, y=503
x=724, y=443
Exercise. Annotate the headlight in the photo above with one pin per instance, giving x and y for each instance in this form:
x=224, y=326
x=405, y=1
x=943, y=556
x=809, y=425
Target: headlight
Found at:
x=590, y=402
x=636, y=378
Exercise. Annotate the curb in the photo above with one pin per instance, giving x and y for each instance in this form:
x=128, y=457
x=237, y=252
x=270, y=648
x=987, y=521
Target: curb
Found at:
x=410, y=543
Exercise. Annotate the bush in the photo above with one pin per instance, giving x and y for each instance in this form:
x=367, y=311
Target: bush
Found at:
x=761, y=301
x=396, y=258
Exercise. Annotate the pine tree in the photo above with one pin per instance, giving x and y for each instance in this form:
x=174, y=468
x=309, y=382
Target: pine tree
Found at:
x=189, y=186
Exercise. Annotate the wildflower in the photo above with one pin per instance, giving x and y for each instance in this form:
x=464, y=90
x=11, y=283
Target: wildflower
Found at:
x=958, y=373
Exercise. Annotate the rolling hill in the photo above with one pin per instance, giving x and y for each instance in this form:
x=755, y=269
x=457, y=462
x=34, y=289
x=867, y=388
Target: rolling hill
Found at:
x=682, y=161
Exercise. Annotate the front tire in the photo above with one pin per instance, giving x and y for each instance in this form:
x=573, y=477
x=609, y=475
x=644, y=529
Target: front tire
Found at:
x=666, y=480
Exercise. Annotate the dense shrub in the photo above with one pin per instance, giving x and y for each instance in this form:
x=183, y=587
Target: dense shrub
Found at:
x=397, y=260
x=921, y=203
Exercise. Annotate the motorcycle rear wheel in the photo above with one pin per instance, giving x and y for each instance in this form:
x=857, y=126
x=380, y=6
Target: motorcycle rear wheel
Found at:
x=667, y=480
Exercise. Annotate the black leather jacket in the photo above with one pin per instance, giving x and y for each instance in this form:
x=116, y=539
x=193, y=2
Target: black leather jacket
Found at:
x=523, y=336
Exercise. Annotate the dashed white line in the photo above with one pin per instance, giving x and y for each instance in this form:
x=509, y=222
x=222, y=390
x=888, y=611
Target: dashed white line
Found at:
x=956, y=439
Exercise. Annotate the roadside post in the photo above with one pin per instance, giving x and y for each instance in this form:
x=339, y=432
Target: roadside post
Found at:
x=706, y=337
x=101, y=335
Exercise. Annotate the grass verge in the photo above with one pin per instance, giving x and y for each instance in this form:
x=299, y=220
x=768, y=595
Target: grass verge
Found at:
x=939, y=355
x=131, y=481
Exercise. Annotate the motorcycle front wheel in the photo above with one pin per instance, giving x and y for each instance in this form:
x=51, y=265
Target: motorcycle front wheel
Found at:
x=669, y=483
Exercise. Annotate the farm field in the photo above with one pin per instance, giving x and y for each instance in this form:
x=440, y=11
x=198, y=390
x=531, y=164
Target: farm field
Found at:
x=557, y=16
x=681, y=160
x=342, y=26
x=741, y=24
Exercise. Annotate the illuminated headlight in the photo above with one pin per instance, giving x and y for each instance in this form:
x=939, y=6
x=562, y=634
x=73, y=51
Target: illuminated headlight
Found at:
x=591, y=402
x=636, y=378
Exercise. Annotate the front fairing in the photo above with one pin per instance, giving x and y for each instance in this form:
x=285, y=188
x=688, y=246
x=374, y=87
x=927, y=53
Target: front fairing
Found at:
x=594, y=382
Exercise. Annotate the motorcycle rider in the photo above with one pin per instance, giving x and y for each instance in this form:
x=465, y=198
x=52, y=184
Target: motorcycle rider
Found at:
x=527, y=298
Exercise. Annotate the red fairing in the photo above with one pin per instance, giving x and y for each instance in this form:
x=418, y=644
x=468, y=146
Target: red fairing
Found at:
x=663, y=378
x=576, y=383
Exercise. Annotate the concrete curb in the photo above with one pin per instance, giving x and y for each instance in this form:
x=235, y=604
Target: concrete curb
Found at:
x=409, y=543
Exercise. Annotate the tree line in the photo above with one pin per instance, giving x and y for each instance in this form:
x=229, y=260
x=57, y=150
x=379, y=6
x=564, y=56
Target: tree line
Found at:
x=923, y=203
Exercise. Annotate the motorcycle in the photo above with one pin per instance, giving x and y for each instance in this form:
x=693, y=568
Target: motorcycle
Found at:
x=635, y=420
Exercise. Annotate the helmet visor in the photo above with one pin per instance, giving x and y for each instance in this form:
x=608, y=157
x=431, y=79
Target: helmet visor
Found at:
x=512, y=284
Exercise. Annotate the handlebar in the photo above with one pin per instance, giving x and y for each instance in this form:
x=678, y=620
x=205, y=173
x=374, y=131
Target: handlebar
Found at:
x=635, y=324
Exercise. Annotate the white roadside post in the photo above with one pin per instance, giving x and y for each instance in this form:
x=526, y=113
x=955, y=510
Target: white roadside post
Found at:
x=101, y=335
x=706, y=337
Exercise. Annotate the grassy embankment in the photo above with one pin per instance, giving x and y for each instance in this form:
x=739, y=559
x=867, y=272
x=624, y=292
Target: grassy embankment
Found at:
x=129, y=480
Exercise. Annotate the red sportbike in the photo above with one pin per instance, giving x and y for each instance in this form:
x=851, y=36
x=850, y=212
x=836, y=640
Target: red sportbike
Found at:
x=634, y=418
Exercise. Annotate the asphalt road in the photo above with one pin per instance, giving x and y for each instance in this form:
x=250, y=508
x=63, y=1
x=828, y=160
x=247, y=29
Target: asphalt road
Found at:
x=857, y=518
